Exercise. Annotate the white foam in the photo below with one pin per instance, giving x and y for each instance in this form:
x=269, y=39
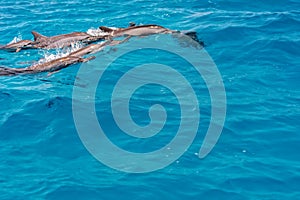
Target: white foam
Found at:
x=96, y=32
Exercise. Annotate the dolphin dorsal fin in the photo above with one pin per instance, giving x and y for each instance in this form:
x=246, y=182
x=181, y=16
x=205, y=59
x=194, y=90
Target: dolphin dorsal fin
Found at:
x=131, y=24
x=37, y=36
x=106, y=29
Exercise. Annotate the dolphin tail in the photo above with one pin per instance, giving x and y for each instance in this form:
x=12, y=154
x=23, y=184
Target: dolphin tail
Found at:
x=193, y=36
x=2, y=47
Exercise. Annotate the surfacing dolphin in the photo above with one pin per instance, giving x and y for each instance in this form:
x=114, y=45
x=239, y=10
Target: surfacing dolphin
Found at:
x=145, y=30
x=133, y=30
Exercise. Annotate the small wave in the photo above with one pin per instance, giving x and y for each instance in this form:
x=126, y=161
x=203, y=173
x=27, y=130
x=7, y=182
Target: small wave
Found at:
x=16, y=39
x=47, y=56
x=98, y=32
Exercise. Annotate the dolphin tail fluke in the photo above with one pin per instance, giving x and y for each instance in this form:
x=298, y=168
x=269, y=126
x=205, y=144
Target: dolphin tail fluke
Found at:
x=37, y=36
x=193, y=36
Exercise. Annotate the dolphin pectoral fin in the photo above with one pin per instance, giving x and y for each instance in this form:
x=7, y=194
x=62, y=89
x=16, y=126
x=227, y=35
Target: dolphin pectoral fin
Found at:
x=87, y=59
x=18, y=49
x=37, y=36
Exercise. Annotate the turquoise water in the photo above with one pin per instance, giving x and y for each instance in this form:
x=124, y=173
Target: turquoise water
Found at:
x=256, y=48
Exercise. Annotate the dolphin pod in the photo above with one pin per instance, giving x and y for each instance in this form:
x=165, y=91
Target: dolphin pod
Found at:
x=60, y=63
x=59, y=41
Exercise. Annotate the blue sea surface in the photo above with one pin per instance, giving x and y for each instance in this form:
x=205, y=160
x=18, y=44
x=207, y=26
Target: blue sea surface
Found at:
x=255, y=45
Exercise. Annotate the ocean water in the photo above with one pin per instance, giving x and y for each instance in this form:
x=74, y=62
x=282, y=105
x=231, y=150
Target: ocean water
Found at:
x=254, y=44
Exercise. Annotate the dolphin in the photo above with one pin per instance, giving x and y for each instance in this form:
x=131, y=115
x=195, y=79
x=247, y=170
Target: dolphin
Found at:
x=17, y=46
x=134, y=30
x=64, y=40
x=51, y=66
x=145, y=30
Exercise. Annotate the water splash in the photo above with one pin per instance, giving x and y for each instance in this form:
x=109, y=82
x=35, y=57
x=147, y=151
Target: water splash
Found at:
x=98, y=32
x=47, y=56
x=16, y=39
